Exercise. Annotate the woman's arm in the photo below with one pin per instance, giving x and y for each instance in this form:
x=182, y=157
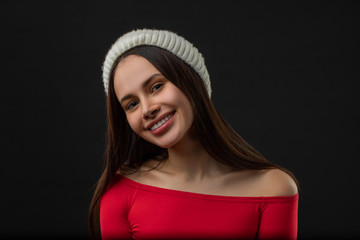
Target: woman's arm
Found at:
x=114, y=208
x=279, y=220
x=279, y=214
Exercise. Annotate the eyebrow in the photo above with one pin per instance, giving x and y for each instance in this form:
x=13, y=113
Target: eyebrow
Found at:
x=143, y=86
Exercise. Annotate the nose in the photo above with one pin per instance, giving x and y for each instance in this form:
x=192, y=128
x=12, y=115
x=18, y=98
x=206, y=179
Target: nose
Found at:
x=150, y=111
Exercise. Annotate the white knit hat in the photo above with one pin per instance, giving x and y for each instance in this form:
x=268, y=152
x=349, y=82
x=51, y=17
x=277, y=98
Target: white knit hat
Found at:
x=170, y=41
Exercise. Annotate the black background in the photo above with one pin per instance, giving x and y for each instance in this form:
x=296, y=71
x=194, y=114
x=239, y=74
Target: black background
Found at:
x=284, y=75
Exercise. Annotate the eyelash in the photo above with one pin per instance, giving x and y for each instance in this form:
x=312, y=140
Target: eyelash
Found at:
x=129, y=104
x=159, y=85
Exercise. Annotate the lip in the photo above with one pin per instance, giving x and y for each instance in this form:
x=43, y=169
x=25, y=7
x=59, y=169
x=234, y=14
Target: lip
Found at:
x=163, y=127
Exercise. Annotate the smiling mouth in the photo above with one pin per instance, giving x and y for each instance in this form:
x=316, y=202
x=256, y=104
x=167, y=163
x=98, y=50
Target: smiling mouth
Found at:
x=162, y=121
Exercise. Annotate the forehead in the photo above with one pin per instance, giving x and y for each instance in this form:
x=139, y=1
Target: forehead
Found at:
x=130, y=73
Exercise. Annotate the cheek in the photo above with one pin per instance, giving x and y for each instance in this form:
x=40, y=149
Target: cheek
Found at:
x=134, y=122
x=181, y=100
x=176, y=97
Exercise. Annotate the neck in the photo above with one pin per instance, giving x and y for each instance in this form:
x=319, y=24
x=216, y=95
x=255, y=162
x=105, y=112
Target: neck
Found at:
x=189, y=161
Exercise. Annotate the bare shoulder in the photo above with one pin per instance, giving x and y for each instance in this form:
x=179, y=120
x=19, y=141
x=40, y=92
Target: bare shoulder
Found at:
x=276, y=182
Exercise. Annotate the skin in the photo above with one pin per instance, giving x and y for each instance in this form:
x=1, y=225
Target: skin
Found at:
x=189, y=167
x=146, y=104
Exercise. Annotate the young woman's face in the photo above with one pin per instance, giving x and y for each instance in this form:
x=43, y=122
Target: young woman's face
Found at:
x=155, y=108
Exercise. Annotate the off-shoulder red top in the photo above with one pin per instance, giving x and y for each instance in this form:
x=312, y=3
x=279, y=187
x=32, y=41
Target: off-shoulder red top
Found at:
x=131, y=210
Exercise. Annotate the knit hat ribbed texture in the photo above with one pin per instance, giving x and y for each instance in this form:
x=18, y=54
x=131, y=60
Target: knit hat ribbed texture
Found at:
x=167, y=40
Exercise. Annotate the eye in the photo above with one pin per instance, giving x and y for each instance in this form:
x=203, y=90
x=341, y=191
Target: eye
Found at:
x=131, y=105
x=156, y=87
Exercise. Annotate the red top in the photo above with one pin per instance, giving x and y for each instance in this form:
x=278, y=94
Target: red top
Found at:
x=131, y=210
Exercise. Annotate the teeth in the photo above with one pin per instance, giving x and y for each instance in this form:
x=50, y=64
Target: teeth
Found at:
x=161, y=122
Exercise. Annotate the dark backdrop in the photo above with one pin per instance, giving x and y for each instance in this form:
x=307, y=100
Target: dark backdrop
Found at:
x=284, y=74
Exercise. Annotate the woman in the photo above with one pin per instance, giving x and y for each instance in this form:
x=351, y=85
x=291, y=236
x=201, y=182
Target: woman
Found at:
x=174, y=168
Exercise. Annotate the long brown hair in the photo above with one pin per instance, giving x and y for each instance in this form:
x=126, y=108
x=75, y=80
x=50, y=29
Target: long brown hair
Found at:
x=126, y=151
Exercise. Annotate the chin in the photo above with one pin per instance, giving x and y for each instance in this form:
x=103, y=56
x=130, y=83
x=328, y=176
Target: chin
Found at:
x=164, y=145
